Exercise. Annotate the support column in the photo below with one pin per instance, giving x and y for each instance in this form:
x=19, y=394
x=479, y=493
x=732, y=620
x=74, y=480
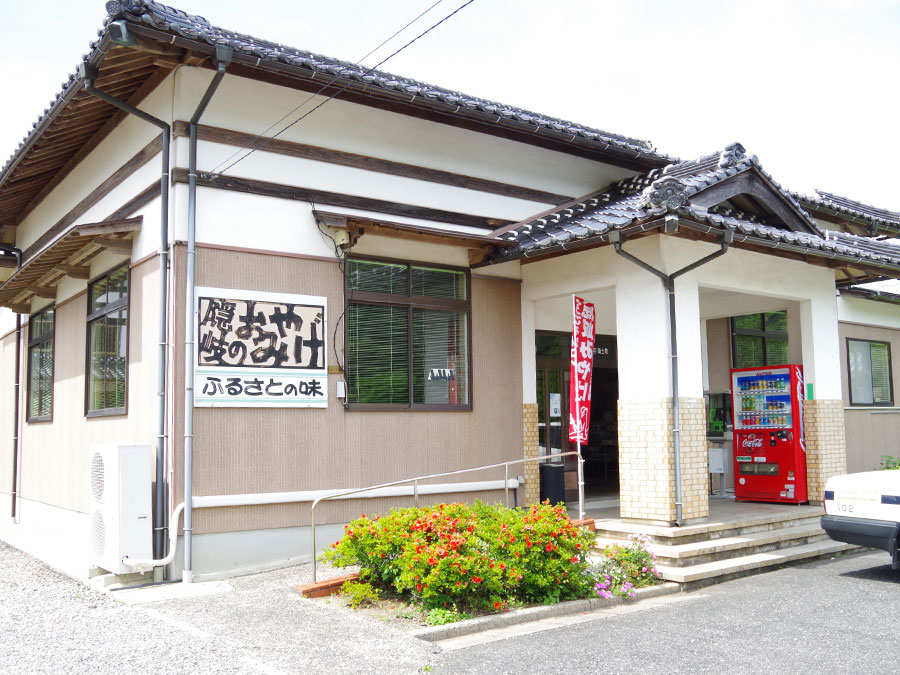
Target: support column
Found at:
x=823, y=417
x=530, y=448
x=646, y=440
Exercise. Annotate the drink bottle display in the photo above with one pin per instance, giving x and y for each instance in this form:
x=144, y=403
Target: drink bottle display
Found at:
x=769, y=447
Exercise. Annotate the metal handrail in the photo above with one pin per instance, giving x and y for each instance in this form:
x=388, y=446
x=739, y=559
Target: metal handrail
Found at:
x=415, y=482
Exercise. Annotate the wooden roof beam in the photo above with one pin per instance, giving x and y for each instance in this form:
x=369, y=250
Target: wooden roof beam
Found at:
x=117, y=246
x=42, y=291
x=110, y=227
x=75, y=271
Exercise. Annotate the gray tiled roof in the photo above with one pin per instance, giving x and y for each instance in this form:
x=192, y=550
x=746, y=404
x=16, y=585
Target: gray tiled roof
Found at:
x=638, y=201
x=170, y=20
x=838, y=205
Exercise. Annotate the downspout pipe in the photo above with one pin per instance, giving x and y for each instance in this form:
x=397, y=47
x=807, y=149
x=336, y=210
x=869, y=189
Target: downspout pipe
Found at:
x=223, y=57
x=88, y=74
x=617, y=238
x=17, y=385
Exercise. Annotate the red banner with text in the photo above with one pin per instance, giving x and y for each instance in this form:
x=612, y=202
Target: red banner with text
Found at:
x=582, y=363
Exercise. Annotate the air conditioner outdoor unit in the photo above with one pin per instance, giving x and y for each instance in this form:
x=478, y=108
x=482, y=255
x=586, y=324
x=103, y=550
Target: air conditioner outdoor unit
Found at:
x=121, y=522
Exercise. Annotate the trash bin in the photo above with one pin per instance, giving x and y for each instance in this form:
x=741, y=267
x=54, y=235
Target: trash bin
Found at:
x=553, y=486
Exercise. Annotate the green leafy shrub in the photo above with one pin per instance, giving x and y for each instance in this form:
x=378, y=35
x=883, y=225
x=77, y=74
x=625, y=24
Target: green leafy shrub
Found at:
x=440, y=616
x=483, y=557
x=360, y=593
x=624, y=568
x=888, y=462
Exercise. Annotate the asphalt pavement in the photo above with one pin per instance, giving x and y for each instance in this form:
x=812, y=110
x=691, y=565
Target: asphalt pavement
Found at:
x=830, y=616
x=838, y=616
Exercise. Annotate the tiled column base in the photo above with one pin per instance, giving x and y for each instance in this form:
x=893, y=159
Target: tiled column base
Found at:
x=826, y=450
x=532, y=469
x=647, y=461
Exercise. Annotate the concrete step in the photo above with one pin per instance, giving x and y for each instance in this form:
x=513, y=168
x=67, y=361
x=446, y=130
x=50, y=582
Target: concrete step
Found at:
x=721, y=570
x=804, y=516
x=711, y=550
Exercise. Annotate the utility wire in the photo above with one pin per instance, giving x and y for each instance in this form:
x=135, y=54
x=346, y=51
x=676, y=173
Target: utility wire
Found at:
x=321, y=89
x=263, y=144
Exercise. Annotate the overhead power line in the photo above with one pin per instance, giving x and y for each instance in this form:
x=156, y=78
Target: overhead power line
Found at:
x=263, y=144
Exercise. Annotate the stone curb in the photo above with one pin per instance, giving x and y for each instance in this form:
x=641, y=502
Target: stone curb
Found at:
x=484, y=623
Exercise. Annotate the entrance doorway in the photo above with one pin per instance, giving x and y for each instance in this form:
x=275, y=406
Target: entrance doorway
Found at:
x=601, y=453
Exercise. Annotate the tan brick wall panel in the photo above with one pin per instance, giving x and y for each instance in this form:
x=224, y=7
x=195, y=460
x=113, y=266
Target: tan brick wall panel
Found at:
x=532, y=469
x=647, y=461
x=826, y=453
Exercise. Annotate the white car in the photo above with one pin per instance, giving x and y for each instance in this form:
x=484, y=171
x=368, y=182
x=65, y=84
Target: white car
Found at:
x=864, y=509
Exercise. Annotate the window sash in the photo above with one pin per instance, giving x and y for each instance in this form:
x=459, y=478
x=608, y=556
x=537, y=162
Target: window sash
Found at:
x=759, y=340
x=40, y=365
x=869, y=368
x=407, y=336
x=106, y=383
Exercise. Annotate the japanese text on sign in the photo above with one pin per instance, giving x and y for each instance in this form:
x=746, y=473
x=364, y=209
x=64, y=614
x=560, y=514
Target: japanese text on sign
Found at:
x=582, y=360
x=260, y=349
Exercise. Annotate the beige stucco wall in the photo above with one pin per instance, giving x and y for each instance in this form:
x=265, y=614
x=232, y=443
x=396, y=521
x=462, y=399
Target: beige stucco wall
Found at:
x=871, y=431
x=239, y=451
x=7, y=368
x=55, y=455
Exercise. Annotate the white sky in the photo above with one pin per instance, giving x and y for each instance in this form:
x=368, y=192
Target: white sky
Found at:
x=810, y=86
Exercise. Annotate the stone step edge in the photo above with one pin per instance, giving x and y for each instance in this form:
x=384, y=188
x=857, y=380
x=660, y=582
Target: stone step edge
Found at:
x=706, y=547
x=703, y=571
x=615, y=525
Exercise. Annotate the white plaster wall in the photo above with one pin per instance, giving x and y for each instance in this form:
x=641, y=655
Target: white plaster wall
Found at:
x=868, y=312
x=738, y=282
x=277, y=168
x=117, y=148
x=7, y=321
x=244, y=105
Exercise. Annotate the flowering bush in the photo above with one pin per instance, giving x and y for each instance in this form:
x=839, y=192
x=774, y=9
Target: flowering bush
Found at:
x=477, y=556
x=624, y=568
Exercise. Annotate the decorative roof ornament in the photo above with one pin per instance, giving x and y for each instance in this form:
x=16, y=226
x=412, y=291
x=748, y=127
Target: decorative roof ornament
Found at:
x=668, y=191
x=731, y=155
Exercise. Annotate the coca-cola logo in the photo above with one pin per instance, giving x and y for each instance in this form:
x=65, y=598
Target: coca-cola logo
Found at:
x=751, y=442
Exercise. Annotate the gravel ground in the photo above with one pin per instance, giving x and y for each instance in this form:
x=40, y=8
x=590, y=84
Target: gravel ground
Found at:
x=53, y=624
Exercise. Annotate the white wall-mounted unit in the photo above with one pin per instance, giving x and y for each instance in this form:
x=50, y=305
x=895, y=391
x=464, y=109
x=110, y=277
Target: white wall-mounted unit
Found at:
x=121, y=521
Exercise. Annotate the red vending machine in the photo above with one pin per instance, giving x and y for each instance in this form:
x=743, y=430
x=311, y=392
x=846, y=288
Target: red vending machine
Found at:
x=769, y=446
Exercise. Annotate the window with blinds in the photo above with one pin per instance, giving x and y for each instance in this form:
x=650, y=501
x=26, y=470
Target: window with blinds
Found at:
x=870, y=372
x=407, y=335
x=760, y=340
x=107, y=359
x=40, y=365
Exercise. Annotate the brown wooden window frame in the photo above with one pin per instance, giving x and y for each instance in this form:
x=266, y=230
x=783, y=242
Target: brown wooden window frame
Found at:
x=34, y=342
x=409, y=302
x=94, y=316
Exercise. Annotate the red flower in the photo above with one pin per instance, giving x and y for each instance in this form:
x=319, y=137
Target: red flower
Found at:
x=418, y=587
x=496, y=605
x=573, y=559
x=476, y=580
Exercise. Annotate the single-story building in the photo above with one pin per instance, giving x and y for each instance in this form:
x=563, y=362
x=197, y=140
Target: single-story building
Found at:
x=382, y=289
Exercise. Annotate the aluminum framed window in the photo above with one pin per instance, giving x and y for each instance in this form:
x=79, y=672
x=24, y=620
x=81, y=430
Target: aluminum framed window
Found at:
x=41, y=330
x=869, y=369
x=106, y=380
x=407, y=336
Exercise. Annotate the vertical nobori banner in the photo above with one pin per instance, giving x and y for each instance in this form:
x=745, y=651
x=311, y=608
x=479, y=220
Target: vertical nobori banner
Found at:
x=580, y=370
x=260, y=350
